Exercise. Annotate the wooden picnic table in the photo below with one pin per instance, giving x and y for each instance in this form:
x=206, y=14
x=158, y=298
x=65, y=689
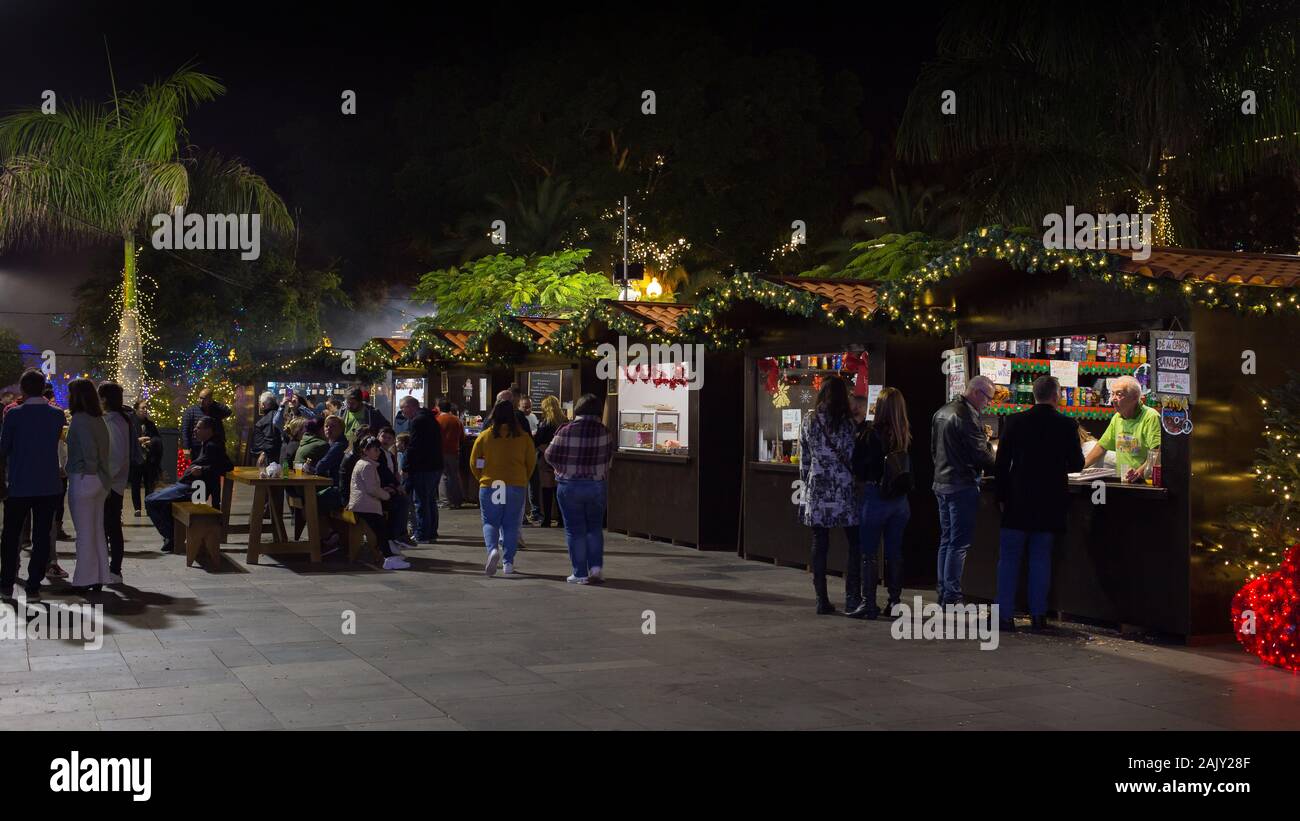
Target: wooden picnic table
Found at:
x=268, y=495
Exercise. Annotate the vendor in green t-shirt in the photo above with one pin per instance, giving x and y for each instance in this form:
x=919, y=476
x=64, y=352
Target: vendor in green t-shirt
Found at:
x=1132, y=432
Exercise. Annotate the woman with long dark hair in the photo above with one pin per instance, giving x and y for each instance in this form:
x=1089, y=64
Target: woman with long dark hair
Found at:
x=502, y=459
x=89, y=481
x=885, y=510
x=825, y=471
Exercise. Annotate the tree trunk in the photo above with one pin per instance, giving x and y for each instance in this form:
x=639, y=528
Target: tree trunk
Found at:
x=130, y=358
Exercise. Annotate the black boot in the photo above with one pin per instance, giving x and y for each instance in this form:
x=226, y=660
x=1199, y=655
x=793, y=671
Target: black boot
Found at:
x=819, y=550
x=867, y=610
x=1039, y=624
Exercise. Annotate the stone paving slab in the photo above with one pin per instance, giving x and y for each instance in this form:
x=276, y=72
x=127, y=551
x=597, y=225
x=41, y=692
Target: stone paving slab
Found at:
x=441, y=647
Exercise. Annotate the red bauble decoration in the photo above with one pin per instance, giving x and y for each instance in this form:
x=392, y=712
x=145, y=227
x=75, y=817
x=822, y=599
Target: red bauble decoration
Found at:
x=182, y=462
x=768, y=367
x=1266, y=614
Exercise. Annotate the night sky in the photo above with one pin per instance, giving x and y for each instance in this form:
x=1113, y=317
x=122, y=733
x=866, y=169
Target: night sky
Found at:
x=286, y=63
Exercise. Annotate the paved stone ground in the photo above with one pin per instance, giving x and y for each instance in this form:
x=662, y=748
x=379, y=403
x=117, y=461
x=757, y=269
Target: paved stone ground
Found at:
x=441, y=647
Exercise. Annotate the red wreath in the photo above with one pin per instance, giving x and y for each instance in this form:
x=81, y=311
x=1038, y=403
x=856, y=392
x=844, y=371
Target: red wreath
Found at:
x=856, y=363
x=1266, y=614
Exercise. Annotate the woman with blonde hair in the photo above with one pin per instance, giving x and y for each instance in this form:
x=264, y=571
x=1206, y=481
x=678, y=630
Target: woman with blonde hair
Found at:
x=881, y=461
x=552, y=419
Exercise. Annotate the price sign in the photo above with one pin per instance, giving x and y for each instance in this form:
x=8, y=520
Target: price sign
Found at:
x=1066, y=372
x=999, y=370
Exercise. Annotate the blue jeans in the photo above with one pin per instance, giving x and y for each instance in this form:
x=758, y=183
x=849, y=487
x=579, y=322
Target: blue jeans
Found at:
x=424, y=497
x=159, y=507
x=582, y=501
x=956, y=528
x=885, y=518
x=501, y=518
x=1013, y=544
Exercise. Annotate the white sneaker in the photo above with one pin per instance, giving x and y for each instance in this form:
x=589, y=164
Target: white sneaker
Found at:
x=596, y=574
x=576, y=580
x=396, y=547
x=508, y=569
x=396, y=563
x=114, y=578
x=491, y=567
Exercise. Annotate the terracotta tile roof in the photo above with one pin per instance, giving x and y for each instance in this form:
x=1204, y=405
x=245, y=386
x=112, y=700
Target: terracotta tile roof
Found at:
x=857, y=297
x=1216, y=266
x=456, y=339
x=542, y=327
x=661, y=316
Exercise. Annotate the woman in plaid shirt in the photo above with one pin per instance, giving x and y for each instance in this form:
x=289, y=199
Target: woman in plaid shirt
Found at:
x=580, y=454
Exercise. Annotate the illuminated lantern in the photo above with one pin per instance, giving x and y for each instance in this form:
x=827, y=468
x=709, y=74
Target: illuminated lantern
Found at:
x=654, y=290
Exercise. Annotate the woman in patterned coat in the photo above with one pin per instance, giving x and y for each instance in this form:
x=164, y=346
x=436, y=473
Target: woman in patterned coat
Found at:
x=825, y=470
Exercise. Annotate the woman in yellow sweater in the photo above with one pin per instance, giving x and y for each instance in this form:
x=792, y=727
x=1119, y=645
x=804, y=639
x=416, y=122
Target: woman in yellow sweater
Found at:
x=502, y=459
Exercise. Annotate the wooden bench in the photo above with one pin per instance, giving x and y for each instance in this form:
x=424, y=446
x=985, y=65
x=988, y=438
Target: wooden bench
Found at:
x=353, y=531
x=198, y=527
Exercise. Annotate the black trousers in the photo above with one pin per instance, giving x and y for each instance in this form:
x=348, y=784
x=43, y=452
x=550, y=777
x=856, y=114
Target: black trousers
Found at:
x=380, y=528
x=113, y=530
x=144, y=478
x=852, y=567
x=548, y=505
x=17, y=509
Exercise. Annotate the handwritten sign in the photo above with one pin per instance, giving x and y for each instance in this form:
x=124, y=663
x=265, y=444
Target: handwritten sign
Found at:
x=1173, y=360
x=999, y=370
x=1066, y=372
x=954, y=366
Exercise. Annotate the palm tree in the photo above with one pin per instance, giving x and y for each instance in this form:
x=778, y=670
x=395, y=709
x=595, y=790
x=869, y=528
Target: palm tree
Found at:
x=1141, y=110
x=903, y=209
x=93, y=172
x=545, y=220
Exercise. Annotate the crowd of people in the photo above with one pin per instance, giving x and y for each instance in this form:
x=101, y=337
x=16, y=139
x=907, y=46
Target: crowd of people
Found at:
x=530, y=467
x=856, y=475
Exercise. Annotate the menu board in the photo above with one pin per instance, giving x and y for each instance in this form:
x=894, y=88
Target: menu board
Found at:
x=542, y=384
x=1173, y=363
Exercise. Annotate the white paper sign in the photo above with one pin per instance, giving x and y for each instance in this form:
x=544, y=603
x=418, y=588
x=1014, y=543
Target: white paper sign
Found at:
x=1176, y=383
x=1066, y=372
x=873, y=393
x=999, y=370
x=790, y=422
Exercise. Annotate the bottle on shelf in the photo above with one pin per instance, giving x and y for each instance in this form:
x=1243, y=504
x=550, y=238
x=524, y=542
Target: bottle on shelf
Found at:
x=1092, y=349
x=1067, y=348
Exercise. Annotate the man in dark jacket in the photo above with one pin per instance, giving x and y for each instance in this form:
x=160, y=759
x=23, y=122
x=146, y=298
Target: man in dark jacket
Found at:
x=207, y=407
x=1039, y=447
x=29, y=443
x=423, y=468
x=961, y=452
x=266, y=434
x=209, y=465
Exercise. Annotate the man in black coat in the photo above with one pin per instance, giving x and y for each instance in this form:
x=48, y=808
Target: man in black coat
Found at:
x=1039, y=447
x=423, y=468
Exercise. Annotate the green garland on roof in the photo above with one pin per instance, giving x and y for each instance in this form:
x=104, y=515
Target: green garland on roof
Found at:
x=702, y=321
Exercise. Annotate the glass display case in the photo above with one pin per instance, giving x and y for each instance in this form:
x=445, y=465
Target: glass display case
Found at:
x=648, y=430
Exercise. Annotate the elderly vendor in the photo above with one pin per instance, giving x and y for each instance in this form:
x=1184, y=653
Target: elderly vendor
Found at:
x=1133, y=431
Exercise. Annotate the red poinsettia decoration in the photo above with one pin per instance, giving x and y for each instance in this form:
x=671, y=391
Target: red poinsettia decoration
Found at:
x=1266, y=614
x=856, y=364
x=771, y=372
